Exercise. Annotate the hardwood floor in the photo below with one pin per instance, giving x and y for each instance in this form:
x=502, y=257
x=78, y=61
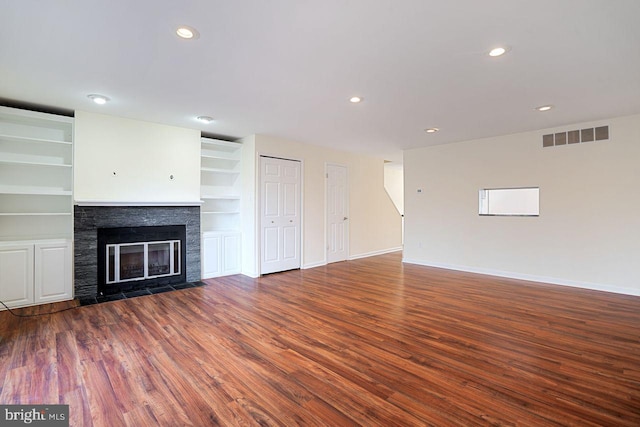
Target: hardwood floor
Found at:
x=366, y=342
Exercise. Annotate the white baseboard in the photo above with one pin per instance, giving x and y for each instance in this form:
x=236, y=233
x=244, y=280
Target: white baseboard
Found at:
x=352, y=257
x=374, y=253
x=528, y=277
x=314, y=265
x=251, y=274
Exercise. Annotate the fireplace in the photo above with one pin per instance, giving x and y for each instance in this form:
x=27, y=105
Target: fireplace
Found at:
x=128, y=262
x=131, y=258
x=90, y=256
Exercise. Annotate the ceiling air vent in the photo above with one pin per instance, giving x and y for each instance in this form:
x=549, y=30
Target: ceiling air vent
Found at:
x=600, y=133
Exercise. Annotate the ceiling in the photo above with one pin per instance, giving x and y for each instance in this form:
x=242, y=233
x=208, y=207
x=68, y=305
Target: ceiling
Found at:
x=288, y=67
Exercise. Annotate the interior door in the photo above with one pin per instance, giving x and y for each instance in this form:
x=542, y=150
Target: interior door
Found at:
x=280, y=214
x=337, y=213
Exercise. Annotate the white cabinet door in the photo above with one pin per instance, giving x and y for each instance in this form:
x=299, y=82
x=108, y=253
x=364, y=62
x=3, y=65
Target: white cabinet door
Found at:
x=16, y=275
x=231, y=254
x=53, y=277
x=211, y=256
x=220, y=254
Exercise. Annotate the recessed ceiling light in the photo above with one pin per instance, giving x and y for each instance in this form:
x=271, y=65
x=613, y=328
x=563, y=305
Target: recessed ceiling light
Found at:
x=431, y=130
x=498, y=51
x=544, y=108
x=187, y=32
x=355, y=99
x=98, y=99
x=204, y=119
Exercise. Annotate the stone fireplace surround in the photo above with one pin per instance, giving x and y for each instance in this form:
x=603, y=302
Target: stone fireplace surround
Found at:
x=87, y=220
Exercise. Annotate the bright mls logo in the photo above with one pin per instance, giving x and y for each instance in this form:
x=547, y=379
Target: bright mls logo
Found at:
x=35, y=415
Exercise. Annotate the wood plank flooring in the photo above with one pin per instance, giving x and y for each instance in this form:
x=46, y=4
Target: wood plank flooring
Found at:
x=370, y=342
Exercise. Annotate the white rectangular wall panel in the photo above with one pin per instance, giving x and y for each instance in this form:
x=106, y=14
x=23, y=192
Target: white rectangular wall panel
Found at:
x=124, y=160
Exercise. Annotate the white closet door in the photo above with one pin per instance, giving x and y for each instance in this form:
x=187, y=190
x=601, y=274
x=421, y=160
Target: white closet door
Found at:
x=280, y=214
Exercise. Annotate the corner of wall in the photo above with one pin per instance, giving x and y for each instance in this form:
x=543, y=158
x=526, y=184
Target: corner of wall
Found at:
x=249, y=208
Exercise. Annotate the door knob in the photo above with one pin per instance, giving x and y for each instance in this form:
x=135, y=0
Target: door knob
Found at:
x=345, y=218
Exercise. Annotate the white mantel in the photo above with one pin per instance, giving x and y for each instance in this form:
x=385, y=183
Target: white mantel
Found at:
x=134, y=203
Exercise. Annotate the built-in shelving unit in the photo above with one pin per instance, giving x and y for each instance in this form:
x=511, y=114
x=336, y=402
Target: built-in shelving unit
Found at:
x=36, y=220
x=220, y=168
x=36, y=174
x=220, y=185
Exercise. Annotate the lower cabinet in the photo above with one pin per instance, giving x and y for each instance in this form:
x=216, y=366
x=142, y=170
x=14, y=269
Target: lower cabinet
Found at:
x=220, y=254
x=35, y=272
x=53, y=279
x=16, y=275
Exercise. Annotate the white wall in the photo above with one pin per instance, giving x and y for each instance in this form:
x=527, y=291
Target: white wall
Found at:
x=249, y=212
x=143, y=156
x=394, y=184
x=588, y=231
x=375, y=225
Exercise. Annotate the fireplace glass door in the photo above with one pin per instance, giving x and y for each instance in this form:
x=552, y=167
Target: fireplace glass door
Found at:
x=131, y=262
x=142, y=260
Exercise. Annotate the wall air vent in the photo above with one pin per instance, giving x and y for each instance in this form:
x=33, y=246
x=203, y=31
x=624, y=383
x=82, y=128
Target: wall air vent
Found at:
x=600, y=133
